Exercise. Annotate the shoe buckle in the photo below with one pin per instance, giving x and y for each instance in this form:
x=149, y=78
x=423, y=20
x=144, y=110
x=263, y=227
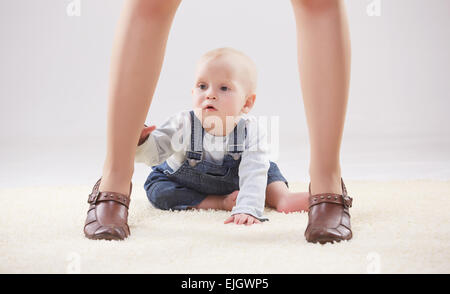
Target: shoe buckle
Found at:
x=347, y=201
x=93, y=197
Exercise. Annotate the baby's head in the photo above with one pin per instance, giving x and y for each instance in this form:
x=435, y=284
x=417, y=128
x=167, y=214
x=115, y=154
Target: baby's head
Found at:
x=225, y=86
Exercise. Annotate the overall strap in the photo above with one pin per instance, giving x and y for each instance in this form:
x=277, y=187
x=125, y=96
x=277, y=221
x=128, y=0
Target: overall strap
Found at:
x=194, y=154
x=236, y=144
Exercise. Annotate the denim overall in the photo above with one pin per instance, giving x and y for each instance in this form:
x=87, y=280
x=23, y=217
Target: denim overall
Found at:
x=197, y=177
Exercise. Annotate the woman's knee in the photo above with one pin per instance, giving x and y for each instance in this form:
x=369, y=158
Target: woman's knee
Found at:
x=314, y=5
x=154, y=9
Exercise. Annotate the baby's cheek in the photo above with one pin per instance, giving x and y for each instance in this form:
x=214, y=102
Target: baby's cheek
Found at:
x=233, y=104
x=197, y=101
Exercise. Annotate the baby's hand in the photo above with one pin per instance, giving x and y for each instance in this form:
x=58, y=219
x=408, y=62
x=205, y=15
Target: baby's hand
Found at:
x=145, y=133
x=242, y=218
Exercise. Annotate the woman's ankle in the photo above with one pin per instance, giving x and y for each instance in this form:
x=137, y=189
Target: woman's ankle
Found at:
x=118, y=182
x=326, y=182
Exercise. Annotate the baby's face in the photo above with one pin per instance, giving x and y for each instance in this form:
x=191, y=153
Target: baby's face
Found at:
x=220, y=90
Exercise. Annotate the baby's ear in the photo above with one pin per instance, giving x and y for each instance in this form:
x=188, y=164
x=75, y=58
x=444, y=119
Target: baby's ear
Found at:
x=249, y=103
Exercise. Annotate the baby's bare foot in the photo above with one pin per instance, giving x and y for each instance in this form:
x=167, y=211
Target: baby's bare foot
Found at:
x=229, y=201
x=294, y=202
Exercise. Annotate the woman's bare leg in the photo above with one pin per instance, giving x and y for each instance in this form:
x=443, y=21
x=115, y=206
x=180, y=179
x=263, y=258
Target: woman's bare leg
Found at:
x=136, y=62
x=324, y=53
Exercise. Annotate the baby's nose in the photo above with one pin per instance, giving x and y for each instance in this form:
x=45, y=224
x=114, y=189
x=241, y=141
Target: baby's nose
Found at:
x=211, y=93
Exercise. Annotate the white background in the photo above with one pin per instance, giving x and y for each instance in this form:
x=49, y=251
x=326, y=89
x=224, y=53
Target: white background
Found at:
x=54, y=82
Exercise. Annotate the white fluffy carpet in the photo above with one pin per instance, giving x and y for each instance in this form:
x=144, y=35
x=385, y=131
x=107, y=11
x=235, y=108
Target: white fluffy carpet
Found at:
x=398, y=227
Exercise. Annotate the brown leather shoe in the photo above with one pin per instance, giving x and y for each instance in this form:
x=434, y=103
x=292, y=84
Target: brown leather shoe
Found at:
x=107, y=215
x=329, y=217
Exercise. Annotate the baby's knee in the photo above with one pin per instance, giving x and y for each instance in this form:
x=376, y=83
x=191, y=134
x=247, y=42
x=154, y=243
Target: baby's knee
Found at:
x=159, y=196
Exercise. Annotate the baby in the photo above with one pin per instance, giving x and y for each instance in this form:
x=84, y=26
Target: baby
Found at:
x=215, y=156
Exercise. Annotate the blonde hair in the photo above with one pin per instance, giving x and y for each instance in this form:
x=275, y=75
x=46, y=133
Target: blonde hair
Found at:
x=246, y=62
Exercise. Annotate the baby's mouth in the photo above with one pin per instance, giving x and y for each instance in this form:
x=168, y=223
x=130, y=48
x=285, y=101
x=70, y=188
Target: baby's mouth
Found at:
x=210, y=108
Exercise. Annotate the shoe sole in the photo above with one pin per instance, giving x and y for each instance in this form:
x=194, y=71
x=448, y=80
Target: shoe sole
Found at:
x=324, y=241
x=107, y=237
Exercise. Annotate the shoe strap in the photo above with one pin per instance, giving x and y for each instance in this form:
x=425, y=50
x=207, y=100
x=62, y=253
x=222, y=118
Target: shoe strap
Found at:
x=343, y=199
x=97, y=196
x=346, y=201
x=109, y=196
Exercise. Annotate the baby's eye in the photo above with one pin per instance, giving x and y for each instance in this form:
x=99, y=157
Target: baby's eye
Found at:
x=224, y=88
x=202, y=86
